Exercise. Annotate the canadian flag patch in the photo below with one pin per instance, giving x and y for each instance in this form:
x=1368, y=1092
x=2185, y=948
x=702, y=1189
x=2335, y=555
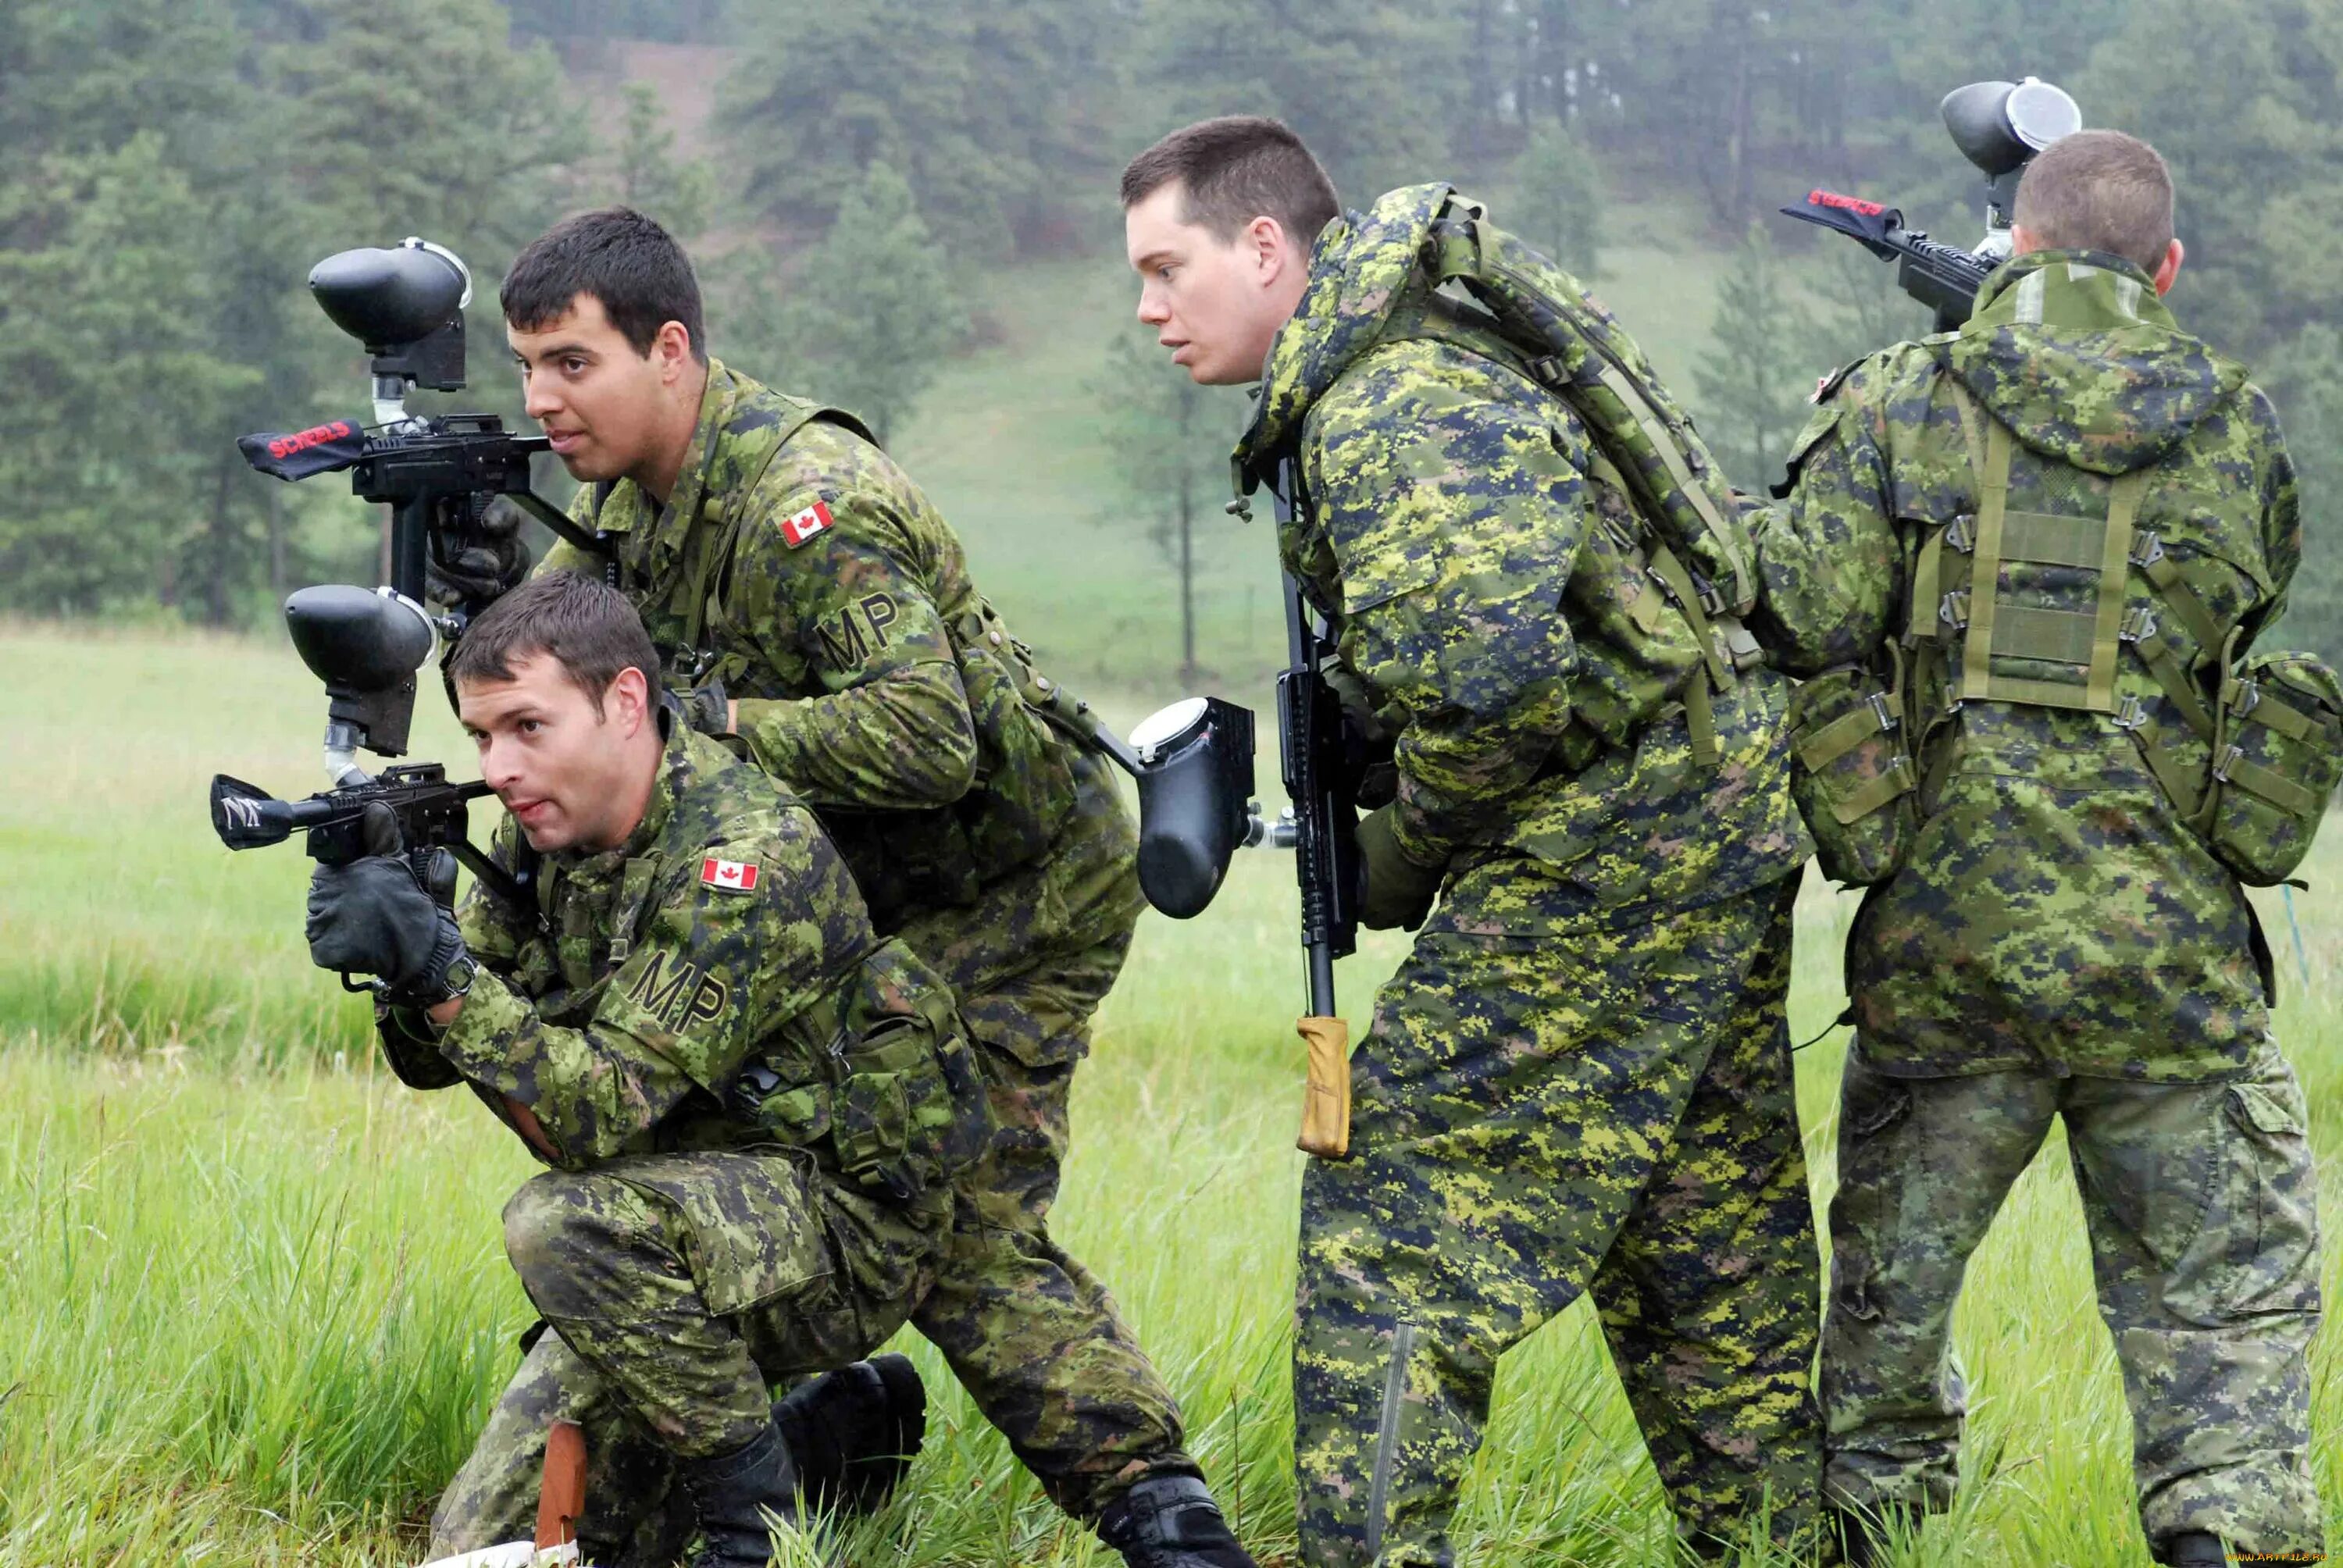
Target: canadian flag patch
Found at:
x=799, y=527
x=732, y=876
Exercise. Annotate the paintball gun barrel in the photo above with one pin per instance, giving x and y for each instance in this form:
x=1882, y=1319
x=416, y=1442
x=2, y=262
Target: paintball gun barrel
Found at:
x=1998, y=126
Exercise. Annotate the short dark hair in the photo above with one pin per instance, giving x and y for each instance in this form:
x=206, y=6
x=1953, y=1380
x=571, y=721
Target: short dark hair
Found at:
x=1234, y=169
x=588, y=626
x=2098, y=190
x=622, y=259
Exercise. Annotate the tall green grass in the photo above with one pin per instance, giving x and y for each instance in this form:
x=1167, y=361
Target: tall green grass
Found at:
x=255, y=1301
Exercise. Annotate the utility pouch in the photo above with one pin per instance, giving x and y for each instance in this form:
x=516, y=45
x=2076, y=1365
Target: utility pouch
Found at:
x=2277, y=756
x=1850, y=771
x=909, y=1111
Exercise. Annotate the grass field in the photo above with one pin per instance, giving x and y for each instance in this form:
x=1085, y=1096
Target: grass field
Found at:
x=254, y=1290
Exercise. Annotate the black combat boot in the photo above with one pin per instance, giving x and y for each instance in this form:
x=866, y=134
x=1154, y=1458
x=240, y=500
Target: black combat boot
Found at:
x=733, y=1493
x=854, y=1432
x=1171, y=1521
x=2196, y=1549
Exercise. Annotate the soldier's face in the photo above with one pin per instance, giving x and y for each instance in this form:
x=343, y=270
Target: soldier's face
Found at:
x=1215, y=304
x=573, y=777
x=604, y=406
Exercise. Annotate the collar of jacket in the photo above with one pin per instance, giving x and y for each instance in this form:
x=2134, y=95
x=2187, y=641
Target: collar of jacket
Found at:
x=1363, y=267
x=2084, y=290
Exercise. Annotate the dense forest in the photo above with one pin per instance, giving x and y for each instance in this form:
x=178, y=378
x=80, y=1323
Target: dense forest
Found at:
x=173, y=166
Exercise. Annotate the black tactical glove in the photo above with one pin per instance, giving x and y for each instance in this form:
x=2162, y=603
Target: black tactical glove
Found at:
x=487, y=561
x=1399, y=891
x=708, y=708
x=378, y=915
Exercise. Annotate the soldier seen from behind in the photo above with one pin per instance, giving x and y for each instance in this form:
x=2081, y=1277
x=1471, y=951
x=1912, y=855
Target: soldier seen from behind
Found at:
x=755, y=1106
x=2024, y=563
x=1579, y=1080
x=815, y=606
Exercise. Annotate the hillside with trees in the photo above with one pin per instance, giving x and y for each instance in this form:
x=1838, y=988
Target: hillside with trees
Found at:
x=874, y=187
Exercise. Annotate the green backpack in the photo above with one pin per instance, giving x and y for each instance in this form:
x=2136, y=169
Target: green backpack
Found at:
x=1699, y=549
x=2248, y=753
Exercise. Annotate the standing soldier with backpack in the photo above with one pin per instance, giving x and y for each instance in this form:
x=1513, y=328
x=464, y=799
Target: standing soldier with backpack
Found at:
x=2024, y=563
x=1579, y=1081
x=821, y=614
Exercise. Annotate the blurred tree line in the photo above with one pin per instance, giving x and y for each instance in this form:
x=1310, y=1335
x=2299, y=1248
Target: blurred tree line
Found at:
x=172, y=168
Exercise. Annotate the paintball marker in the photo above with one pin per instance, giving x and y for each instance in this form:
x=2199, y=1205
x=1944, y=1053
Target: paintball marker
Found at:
x=1194, y=764
x=436, y=473
x=1998, y=126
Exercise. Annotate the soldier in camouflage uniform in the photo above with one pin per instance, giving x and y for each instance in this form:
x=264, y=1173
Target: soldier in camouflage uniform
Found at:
x=2058, y=943
x=818, y=607
x=1579, y=1080
x=752, y=1104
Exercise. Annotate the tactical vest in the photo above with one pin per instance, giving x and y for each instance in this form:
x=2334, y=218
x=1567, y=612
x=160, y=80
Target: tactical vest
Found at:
x=1684, y=553
x=1024, y=788
x=2052, y=595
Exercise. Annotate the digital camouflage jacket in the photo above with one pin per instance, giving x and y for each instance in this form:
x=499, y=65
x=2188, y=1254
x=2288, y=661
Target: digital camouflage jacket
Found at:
x=713, y=983
x=2054, y=912
x=1483, y=589
x=801, y=566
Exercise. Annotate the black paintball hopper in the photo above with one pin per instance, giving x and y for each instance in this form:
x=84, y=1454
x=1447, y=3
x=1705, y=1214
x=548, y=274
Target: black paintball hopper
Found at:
x=389, y=297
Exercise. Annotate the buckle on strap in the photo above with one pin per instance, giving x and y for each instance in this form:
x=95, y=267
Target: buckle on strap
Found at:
x=2222, y=763
x=2146, y=549
x=2131, y=715
x=2244, y=697
x=1887, y=716
x=2138, y=625
x=1953, y=608
x=1960, y=534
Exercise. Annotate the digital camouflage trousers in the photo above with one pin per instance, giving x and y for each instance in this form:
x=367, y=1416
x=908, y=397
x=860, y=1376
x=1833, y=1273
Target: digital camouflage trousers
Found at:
x=1534, y=1118
x=2200, y=1200
x=677, y=1288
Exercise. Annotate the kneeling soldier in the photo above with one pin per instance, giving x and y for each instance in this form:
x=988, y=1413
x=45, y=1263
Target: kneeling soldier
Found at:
x=752, y=1106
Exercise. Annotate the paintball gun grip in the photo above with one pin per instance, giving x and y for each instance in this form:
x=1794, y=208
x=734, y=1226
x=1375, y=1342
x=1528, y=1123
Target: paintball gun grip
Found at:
x=1326, y=1097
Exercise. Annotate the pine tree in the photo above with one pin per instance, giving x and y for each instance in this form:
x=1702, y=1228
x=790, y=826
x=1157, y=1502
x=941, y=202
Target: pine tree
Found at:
x=1561, y=210
x=1754, y=381
x=870, y=315
x=645, y=175
x=1170, y=439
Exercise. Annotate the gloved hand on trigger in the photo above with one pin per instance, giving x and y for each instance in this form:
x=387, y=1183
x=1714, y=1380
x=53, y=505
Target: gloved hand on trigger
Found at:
x=378, y=915
x=1399, y=891
x=490, y=562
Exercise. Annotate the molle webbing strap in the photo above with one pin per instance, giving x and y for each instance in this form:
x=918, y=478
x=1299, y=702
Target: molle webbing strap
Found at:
x=2091, y=639
x=1639, y=408
x=2147, y=555
x=2171, y=675
x=1927, y=575
x=2180, y=782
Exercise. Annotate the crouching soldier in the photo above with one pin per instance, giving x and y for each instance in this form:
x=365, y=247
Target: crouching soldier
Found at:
x=752, y=1108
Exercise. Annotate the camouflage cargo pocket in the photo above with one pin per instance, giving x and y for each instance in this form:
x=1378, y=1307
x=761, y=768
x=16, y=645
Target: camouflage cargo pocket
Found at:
x=1850, y=773
x=2256, y=1249
x=2275, y=765
x=745, y=1223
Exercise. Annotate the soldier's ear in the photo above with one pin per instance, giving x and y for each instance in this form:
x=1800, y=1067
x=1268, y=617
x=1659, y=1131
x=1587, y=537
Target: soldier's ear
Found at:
x=2168, y=268
x=627, y=699
x=672, y=350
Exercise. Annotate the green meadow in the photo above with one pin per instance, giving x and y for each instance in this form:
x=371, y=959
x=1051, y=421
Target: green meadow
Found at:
x=254, y=1290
